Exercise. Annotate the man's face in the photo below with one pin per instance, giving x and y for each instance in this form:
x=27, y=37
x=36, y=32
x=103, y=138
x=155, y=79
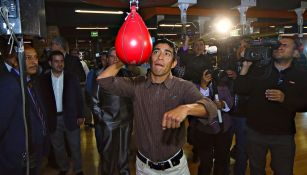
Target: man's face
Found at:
x=199, y=47
x=162, y=60
x=57, y=63
x=286, y=50
x=31, y=61
x=112, y=58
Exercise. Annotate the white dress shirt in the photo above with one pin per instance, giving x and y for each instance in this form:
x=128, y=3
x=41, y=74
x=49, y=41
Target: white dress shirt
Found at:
x=9, y=67
x=57, y=85
x=206, y=93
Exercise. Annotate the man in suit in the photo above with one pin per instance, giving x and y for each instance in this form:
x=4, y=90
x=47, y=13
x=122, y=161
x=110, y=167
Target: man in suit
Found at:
x=12, y=129
x=72, y=63
x=8, y=61
x=113, y=116
x=62, y=96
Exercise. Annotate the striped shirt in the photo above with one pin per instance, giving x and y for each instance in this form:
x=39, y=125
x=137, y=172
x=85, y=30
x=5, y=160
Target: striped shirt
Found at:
x=150, y=102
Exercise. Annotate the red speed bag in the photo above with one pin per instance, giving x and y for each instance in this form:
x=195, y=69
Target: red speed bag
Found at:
x=133, y=42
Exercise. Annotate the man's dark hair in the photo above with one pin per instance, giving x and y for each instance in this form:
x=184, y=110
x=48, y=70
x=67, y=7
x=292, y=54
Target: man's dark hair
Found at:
x=296, y=40
x=55, y=53
x=60, y=41
x=110, y=50
x=168, y=42
x=7, y=53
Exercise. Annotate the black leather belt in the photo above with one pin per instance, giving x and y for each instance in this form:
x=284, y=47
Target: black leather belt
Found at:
x=59, y=113
x=164, y=164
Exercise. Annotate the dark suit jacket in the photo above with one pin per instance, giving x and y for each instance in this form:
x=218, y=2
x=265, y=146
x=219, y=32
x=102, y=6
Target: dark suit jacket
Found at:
x=72, y=100
x=3, y=68
x=12, y=135
x=73, y=65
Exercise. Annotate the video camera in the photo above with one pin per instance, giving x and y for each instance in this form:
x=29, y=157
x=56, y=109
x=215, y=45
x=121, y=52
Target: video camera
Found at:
x=260, y=51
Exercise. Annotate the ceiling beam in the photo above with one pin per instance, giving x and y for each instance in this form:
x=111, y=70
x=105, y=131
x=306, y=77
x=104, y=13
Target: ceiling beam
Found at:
x=125, y=3
x=148, y=13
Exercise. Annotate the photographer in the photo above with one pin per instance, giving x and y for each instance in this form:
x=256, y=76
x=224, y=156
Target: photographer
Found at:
x=271, y=108
x=195, y=63
x=214, y=139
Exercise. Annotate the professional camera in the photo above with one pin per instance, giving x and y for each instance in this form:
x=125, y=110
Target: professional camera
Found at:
x=260, y=51
x=218, y=75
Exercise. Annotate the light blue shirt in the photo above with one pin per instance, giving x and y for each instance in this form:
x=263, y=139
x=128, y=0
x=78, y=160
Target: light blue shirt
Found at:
x=57, y=85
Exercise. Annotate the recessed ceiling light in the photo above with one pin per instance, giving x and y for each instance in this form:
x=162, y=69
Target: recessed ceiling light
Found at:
x=166, y=34
x=100, y=12
x=173, y=25
x=92, y=28
x=287, y=27
x=152, y=28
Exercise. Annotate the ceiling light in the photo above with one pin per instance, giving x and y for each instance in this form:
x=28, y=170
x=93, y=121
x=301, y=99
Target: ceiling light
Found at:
x=166, y=34
x=92, y=28
x=305, y=27
x=152, y=28
x=272, y=26
x=287, y=27
x=100, y=12
x=223, y=25
x=173, y=25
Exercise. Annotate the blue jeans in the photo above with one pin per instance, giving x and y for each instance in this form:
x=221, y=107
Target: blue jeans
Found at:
x=239, y=129
x=282, y=148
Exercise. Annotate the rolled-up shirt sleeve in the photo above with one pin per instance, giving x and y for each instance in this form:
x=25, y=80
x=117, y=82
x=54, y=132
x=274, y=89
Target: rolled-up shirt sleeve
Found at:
x=121, y=86
x=210, y=108
x=192, y=95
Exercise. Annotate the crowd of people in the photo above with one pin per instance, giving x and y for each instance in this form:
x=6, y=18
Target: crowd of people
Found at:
x=179, y=84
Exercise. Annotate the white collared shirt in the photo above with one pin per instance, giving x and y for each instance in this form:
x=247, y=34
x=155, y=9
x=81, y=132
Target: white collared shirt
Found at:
x=57, y=85
x=9, y=67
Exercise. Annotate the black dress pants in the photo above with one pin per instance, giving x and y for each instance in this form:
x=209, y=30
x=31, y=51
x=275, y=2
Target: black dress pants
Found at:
x=214, y=151
x=115, y=149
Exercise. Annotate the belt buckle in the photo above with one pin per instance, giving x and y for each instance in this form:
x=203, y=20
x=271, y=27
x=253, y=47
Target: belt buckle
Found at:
x=162, y=165
x=157, y=165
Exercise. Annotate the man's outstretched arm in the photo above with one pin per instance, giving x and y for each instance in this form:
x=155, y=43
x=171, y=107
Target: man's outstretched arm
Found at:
x=111, y=70
x=174, y=117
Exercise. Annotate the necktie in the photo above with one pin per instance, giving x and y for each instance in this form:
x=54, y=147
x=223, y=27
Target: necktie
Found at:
x=37, y=107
